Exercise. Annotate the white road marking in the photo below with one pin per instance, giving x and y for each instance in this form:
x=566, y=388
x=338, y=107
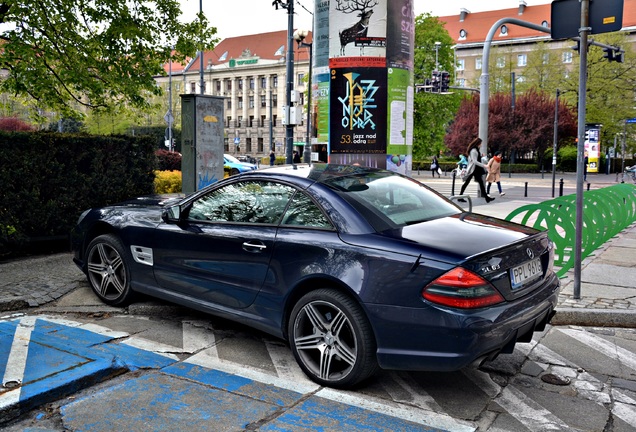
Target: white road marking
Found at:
x=16, y=363
x=603, y=346
x=532, y=415
x=285, y=363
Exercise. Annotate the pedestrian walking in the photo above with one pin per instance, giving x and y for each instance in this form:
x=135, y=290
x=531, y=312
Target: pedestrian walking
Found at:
x=476, y=170
x=586, y=160
x=494, y=173
x=435, y=167
x=296, y=157
x=272, y=158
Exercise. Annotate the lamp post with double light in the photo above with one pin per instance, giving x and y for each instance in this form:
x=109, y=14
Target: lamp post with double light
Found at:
x=300, y=36
x=289, y=127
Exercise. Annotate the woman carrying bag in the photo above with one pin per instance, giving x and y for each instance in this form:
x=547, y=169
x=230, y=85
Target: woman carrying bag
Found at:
x=476, y=170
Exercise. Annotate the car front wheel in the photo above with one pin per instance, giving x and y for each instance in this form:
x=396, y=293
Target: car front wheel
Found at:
x=331, y=339
x=108, y=271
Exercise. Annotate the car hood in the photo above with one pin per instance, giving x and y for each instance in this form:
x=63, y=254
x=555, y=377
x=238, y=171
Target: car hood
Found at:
x=162, y=201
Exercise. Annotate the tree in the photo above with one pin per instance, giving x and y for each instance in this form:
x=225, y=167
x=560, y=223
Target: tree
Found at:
x=527, y=130
x=70, y=56
x=433, y=112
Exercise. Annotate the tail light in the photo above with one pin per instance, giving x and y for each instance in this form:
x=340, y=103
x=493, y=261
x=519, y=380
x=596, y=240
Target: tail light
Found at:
x=462, y=288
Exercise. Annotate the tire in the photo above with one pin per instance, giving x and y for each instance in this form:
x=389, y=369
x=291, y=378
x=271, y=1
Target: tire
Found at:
x=331, y=339
x=234, y=171
x=108, y=270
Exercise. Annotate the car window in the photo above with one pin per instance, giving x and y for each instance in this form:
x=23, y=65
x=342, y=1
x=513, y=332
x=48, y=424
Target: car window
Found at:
x=243, y=202
x=302, y=211
x=389, y=201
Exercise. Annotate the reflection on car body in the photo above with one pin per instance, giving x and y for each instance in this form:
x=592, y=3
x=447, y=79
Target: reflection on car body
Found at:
x=357, y=268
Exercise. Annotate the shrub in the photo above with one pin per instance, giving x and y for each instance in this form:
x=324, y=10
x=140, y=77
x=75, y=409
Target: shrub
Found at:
x=168, y=161
x=168, y=182
x=14, y=124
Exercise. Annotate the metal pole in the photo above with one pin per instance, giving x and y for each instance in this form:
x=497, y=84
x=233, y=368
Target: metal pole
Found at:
x=201, y=81
x=554, y=140
x=623, y=151
x=289, y=128
x=307, y=150
x=170, y=101
x=584, y=31
x=437, y=44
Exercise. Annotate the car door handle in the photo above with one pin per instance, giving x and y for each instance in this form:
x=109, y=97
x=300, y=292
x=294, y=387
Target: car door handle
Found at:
x=254, y=247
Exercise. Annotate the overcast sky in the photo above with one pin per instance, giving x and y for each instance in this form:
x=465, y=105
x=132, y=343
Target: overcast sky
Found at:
x=243, y=17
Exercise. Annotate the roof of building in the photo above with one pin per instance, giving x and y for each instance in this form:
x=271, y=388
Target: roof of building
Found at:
x=264, y=46
x=477, y=25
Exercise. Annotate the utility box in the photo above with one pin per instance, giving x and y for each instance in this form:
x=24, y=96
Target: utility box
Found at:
x=202, y=133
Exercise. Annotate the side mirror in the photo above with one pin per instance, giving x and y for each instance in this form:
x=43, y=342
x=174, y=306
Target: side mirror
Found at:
x=172, y=214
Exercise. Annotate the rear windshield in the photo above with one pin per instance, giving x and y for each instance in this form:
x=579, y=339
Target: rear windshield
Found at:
x=389, y=201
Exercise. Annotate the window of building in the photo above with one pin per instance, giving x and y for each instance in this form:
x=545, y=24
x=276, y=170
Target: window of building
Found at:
x=300, y=78
x=522, y=60
x=193, y=87
x=567, y=57
x=478, y=63
x=228, y=85
x=226, y=145
x=240, y=84
x=263, y=101
x=228, y=121
x=240, y=121
x=274, y=118
x=461, y=82
x=229, y=104
x=501, y=62
x=263, y=82
x=240, y=102
x=460, y=64
x=274, y=101
x=275, y=81
x=251, y=101
x=218, y=85
x=252, y=83
x=251, y=123
x=248, y=145
x=263, y=121
x=259, y=143
x=504, y=30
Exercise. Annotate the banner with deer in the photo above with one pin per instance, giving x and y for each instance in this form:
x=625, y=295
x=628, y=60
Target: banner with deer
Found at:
x=357, y=32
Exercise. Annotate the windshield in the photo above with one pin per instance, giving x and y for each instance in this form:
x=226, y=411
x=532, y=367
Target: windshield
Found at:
x=230, y=158
x=390, y=201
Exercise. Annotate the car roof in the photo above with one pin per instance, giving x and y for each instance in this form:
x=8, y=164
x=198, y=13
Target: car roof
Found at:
x=320, y=172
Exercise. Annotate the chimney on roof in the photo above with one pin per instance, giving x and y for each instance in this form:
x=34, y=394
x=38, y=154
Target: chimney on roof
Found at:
x=522, y=6
x=462, y=14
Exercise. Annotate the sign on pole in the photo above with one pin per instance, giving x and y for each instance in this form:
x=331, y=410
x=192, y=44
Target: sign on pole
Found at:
x=605, y=16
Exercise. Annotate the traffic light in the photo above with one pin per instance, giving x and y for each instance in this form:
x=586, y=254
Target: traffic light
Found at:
x=608, y=54
x=445, y=81
x=435, y=81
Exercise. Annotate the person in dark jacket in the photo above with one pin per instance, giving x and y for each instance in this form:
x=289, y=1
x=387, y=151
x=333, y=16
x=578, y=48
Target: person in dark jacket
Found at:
x=476, y=170
x=272, y=158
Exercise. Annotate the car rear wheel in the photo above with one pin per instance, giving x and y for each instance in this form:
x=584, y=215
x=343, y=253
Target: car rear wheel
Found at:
x=234, y=171
x=331, y=339
x=108, y=271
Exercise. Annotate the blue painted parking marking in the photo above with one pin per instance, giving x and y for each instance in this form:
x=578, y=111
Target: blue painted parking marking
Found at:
x=42, y=360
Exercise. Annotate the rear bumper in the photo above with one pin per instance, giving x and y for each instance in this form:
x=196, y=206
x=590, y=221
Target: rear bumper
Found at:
x=442, y=339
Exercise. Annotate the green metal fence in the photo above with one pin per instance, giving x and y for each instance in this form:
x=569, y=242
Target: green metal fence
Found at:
x=606, y=212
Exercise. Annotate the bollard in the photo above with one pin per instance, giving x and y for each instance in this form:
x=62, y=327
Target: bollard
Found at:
x=561, y=187
x=525, y=192
x=588, y=186
x=453, y=187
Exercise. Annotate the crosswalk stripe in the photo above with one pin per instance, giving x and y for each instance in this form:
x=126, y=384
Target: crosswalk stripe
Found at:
x=603, y=346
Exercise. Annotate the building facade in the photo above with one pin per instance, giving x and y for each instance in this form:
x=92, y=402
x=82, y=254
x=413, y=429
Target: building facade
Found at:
x=250, y=73
x=512, y=44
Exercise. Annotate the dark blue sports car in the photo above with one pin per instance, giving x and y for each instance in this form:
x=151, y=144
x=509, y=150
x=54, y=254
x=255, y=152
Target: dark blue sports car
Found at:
x=357, y=268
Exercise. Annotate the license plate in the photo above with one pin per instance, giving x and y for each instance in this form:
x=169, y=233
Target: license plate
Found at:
x=525, y=273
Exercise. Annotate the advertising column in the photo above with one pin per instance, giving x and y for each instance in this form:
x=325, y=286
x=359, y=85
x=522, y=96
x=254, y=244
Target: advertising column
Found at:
x=593, y=146
x=364, y=82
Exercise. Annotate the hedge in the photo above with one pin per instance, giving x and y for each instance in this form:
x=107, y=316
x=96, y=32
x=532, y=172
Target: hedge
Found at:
x=48, y=179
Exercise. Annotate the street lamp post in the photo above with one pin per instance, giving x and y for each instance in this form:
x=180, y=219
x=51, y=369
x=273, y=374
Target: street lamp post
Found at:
x=300, y=36
x=289, y=127
x=437, y=45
